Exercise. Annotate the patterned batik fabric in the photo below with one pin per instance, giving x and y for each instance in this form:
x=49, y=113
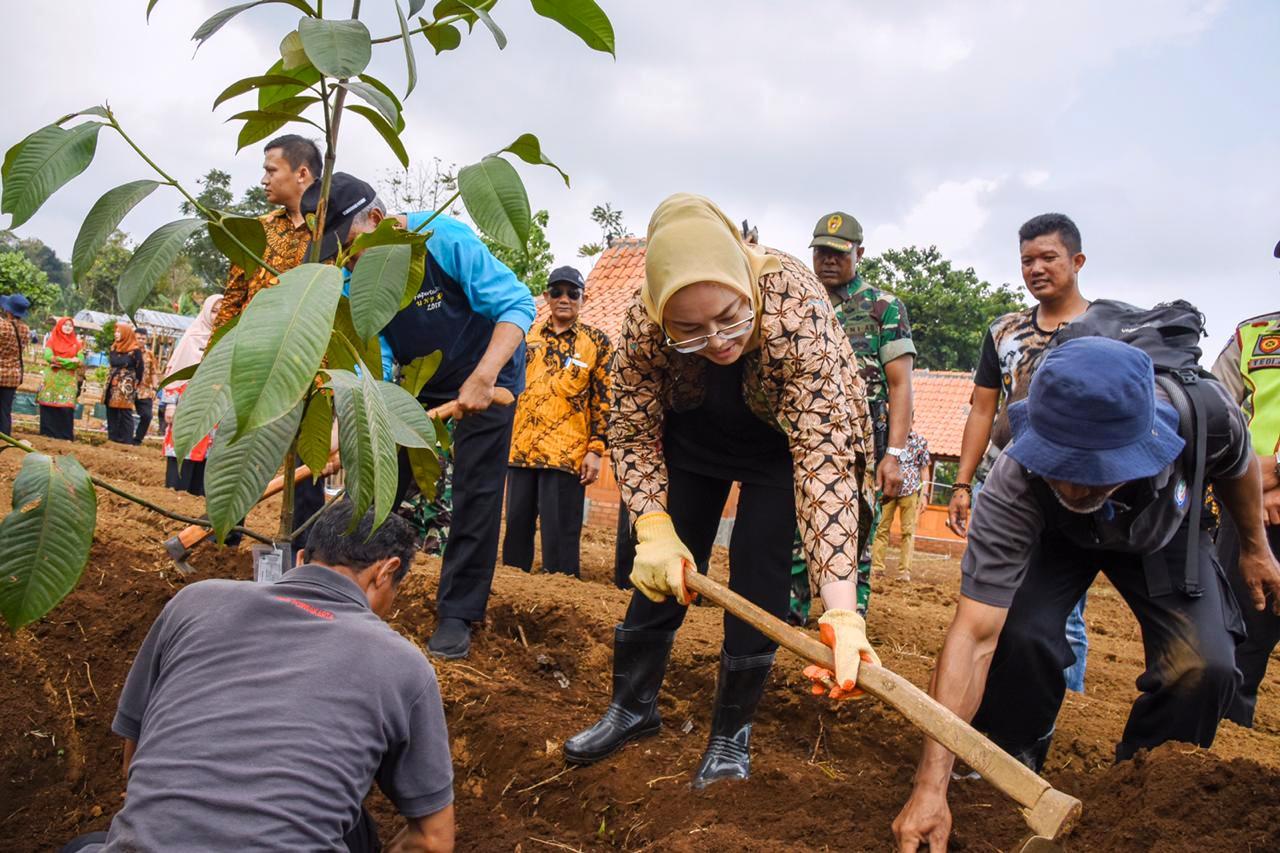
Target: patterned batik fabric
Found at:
x=913, y=461
x=286, y=248
x=14, y=335
x=563, y=412
x=1019, y=343
x=58, y=390
x=147, y=385
x=800, y=378
x=876, y=323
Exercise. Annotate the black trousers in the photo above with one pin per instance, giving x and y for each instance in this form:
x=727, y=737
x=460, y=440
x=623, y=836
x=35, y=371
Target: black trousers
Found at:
x=759, y=554
x=555, y=497
x=120, y=425
x=143, y=408
x=1262, y=627
x=1189, y=643
x=7, y=396
x=481, y=445
x=58, y=422
x=624, y=549
x=161, y=411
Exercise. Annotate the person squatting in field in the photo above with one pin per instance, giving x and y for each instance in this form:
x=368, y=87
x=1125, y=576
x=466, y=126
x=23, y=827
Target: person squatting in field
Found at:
x=258, y=716
x=1094, y=481
x=731, y=367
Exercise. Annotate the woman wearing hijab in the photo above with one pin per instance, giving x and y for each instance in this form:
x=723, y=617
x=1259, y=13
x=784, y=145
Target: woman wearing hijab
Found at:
x=58, y=392
x=732, y=368
x=189, y=477
x=126, y=364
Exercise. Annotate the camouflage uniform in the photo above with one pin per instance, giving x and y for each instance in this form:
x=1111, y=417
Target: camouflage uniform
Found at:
x=879, y=331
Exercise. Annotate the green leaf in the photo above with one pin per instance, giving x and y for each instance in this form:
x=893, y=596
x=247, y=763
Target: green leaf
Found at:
x=425, y=465
x=219, y=19
x=340, y=354
x=366, y=443
x=387, y=107
x=377, y=283
x=368, y=349
x=259, y=124
x=469, y=12
x=494, y=196
x=282, y=337
x=248, y=84
x=46, y=160
x=416, y=374
x=100, y=112
x=415, y=6
x=179, y=375
x=256, y=131
x=253, y=241
x=409, y=422
x=529, y=149
x=241, y=465
x=304, y=73
x=151, y=4
x=498, y=35
x=388, y=233
x=207, y=398
x=151, y=260
x=317, y=430
x=336, y=48
x=442, y=36
x=583, y=18
x=410, y=61
x=103, y=218
x=417, y=271
x=45, y=540
x=387, y=132
x=292, y=54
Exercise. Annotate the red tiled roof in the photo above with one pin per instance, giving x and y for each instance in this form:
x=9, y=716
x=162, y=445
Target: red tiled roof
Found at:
x=942, y=404
x=941, y=397
x=611, y=285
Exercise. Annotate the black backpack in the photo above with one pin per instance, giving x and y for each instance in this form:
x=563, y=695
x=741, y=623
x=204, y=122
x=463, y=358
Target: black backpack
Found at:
x=1170, y=334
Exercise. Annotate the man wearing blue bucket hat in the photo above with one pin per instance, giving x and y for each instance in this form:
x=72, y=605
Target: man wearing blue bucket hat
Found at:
x=1095, y=480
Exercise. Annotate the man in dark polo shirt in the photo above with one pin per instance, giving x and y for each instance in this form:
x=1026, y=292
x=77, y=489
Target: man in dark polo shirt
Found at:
x=257, y=716
x=1094, y=481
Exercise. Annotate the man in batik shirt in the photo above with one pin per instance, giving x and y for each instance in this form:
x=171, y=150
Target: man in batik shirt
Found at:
x=879, y=331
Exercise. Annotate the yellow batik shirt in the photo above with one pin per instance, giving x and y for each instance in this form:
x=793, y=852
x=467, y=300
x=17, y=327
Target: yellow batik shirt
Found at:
x=562, y=414
x=286, y=249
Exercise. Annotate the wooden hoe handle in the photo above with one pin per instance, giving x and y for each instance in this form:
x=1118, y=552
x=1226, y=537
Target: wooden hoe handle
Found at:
x=1048, y=812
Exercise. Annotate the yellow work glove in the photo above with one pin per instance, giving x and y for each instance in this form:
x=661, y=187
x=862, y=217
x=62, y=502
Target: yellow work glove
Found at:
x=660, y=559
x=846, y=633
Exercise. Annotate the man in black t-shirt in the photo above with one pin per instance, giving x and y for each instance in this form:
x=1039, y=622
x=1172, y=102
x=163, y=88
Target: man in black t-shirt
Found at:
x=1094, y=481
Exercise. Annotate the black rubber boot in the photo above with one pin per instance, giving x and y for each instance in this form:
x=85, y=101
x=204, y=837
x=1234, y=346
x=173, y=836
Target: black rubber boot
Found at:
x=1034, y=756
x=639, y=663
x=738, y=692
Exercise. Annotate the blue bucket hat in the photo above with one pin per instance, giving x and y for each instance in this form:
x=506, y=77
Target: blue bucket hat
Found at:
x=1092, y=418
x=16, y=304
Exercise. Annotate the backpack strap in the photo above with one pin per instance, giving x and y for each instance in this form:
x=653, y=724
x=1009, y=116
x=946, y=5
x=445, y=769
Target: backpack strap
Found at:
x=1183, y=389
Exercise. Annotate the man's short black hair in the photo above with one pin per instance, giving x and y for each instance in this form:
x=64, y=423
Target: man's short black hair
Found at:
x=299, y=151
x=1052, y=223
x=328, y=541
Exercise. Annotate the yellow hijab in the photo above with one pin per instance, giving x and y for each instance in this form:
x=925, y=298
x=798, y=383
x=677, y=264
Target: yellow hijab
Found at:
x=691, y=240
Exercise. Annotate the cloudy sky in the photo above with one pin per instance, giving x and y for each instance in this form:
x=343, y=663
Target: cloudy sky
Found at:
x=1155, y=125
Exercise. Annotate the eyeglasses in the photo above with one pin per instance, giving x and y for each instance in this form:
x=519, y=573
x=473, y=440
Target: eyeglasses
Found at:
x=728, y=333
x=574, y=293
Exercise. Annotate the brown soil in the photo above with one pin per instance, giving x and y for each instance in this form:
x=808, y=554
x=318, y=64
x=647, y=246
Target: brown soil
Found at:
x=825, y=776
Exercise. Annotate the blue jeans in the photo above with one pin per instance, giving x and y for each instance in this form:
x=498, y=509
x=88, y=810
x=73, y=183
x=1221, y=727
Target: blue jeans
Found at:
x=1078, y=639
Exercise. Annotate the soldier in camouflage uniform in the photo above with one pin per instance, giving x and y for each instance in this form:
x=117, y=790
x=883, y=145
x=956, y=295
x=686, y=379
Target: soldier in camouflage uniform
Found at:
x=880, y=333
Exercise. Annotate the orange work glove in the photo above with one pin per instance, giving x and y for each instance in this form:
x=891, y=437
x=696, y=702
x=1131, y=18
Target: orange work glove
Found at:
x=846, y=633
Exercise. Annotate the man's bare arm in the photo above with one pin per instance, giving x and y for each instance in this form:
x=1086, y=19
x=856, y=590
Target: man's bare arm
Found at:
x=429, y=834
x=476, y=393
x=130, y=747
x=977, y=435
x=898, y=378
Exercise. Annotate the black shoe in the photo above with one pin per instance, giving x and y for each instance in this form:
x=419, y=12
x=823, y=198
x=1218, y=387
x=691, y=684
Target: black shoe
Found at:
x=639, y=663
x=738, y=692
x=451, y=640
x=1034, y=756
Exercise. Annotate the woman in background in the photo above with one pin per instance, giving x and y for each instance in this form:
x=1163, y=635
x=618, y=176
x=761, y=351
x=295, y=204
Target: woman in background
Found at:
x=127, y=366
x=58, y=392
x=189, y=477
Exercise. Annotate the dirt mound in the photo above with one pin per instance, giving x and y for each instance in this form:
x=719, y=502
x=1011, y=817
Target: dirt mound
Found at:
x=825, y=776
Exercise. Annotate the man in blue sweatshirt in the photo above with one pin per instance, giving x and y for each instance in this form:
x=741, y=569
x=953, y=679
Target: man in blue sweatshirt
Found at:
x=474, y=310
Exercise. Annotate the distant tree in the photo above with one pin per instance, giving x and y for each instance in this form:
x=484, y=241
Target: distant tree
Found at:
x=949, y=308
x=423, y=186
x=179, y=281
x=99, y=285
x=206, y=261
x=534, y=267
x=105, y=337
x=19, y=275
x=611, y=228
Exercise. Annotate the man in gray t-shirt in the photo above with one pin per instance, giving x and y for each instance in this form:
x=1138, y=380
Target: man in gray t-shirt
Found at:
x=258, y=716
x=1094, y=481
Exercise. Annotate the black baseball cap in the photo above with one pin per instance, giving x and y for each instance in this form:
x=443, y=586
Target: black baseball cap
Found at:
x=348, y=195
x=1277, y=250
x=567, y=275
